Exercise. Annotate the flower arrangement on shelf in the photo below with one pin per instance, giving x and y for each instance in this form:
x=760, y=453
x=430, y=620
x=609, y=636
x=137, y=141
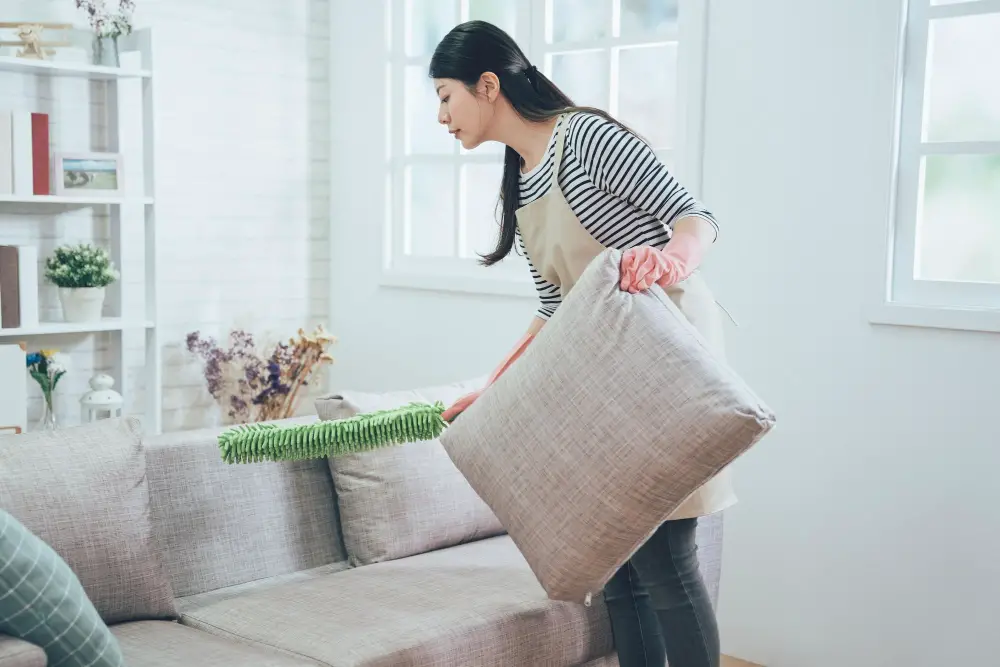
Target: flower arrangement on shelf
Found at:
x=252, y=386
x=81, y=272
x=47, y=367
x=108, y=22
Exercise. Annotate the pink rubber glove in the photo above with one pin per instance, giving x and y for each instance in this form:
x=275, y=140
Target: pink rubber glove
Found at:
x=464, y=402
x=644, y=265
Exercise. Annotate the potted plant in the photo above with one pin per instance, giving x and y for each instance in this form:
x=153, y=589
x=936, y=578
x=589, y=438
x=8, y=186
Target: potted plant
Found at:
x=81, y=272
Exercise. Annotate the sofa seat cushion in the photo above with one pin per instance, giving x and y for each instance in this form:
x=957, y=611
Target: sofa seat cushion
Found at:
x=473, y=604
x=17, y=653
x=168, y=644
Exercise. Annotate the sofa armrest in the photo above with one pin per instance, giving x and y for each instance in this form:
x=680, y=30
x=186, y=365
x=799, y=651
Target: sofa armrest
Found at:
x=17, y=653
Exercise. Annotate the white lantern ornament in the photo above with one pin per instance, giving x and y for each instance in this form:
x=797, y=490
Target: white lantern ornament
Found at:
x=100, y=399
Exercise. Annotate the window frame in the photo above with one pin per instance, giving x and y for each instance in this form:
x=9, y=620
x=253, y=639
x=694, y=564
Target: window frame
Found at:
x=903, y=299
x=511, y=277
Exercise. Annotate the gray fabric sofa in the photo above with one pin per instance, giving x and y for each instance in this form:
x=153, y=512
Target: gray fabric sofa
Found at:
x=258, y=563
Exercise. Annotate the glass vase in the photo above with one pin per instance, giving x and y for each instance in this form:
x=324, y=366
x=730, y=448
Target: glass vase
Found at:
x=105, y=51
x=48, y=422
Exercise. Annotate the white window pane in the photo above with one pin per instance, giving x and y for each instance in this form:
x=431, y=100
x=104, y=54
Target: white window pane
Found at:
x=959, y=224
x=647, y=92
x=501, y=13
x=963, y=95
x=423, y=132
x=577, y=20
x=648, y=17
x=481, y=197
x=430, y=211
x=582, y=75
x=427, y=21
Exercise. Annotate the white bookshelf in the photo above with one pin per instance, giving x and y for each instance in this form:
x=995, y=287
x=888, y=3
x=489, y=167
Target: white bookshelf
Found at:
x=70, y=69
x=72, y=201
x=132, y=320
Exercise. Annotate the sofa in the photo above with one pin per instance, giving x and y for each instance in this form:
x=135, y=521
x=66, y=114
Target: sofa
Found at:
x=379, y=560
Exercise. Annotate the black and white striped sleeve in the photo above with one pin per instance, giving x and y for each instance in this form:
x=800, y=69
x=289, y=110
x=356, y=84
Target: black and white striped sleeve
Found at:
x=623, y=165
x=548, y=293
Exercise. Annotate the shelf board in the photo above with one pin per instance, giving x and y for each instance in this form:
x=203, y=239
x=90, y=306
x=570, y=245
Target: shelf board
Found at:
x=56, y=328
x=68, y=69
x=73, y=201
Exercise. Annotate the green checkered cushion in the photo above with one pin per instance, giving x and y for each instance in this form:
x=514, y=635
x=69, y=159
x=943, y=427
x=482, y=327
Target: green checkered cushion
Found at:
x=42, y=602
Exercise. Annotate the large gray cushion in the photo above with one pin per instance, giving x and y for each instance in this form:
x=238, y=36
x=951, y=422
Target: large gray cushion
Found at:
x=472, y=605
x=83, y=490
x=404, y=500
x=164, y=644
x=612, y=417
x=221, y=525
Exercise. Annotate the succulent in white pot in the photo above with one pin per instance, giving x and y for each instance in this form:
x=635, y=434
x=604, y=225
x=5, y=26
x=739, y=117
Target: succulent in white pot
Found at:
x=82, y=272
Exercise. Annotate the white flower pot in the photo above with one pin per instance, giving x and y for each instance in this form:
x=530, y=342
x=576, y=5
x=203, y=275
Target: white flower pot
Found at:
x=81, y=304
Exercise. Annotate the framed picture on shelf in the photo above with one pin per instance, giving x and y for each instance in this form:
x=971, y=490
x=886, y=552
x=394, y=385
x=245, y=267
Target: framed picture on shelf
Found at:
x=88, y=174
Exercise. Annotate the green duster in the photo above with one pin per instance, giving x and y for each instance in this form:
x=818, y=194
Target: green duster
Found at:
x=269, y=441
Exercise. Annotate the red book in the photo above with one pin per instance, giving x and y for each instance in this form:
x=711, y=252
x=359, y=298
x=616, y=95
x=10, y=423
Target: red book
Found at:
x=40, y=153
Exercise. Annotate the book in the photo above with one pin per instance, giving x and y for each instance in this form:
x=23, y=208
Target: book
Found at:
x=13, y=390
x=40, y=163
x=21, y=148
x=10, y=288
x=27, y=280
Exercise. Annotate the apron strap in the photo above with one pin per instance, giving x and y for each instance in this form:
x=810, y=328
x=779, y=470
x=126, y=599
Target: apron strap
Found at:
x=560, y=145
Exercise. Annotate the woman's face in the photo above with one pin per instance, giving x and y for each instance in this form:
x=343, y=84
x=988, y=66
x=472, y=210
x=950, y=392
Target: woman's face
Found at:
x=465, y=113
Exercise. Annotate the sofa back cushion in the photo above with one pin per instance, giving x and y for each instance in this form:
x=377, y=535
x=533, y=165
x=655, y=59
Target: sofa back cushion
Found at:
x=408, y=499
x=613, y=416
x=222, y=525
x=84, y=491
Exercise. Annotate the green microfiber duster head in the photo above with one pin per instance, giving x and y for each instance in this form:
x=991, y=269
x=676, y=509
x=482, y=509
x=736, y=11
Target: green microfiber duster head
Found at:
x=268, y=441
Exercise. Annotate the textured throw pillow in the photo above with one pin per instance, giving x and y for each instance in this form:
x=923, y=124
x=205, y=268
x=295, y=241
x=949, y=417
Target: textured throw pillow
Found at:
x=405, y=500
x=42, y=602
x=614, y=415
x=83, y=490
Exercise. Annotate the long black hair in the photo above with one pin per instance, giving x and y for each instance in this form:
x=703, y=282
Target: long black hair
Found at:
x=465, y=54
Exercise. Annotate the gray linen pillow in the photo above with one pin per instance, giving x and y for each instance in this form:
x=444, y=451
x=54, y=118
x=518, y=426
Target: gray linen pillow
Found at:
x=612, y=417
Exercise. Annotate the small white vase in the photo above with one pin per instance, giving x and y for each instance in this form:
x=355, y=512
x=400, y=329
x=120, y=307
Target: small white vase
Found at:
x=81, y=304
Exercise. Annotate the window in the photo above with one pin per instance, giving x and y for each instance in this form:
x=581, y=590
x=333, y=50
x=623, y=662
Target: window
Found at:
x=624, y=56
x=945, y=245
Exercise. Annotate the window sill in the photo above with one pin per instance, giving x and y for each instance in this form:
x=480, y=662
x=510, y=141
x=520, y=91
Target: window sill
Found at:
x=936, y=317
x=462, y=284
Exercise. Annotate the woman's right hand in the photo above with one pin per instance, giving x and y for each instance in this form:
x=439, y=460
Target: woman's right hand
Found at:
x=459, y=406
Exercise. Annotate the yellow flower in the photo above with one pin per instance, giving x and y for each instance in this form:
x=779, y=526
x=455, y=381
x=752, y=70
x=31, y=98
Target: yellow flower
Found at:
x=48, y=353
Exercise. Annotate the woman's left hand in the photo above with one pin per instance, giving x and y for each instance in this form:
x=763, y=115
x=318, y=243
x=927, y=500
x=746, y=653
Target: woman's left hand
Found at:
x=644, y=265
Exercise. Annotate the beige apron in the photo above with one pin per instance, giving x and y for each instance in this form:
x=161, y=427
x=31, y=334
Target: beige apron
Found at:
x=560, y=249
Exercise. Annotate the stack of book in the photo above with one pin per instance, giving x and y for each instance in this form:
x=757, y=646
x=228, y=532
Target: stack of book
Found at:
x=18, y=286
x=25, y=165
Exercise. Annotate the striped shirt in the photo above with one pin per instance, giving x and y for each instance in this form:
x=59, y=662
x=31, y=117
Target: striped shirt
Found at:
x=617, y=187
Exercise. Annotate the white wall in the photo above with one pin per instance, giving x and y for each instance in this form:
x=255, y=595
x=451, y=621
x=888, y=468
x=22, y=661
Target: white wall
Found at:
x=243, y=182
x=867, y=532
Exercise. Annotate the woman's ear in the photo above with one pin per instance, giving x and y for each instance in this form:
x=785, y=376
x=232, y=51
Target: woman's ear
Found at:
x=489, y=86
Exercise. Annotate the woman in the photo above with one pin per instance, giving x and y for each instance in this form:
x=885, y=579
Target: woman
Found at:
x=575, y=182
